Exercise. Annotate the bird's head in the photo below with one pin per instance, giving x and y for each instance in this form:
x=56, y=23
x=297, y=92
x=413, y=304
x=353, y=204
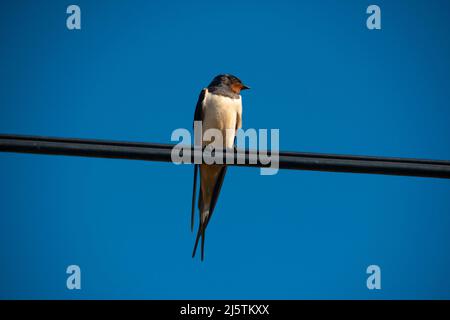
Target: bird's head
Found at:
x=229, y=81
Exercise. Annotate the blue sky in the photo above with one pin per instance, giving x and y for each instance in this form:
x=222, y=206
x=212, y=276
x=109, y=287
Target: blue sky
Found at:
x=134, y=71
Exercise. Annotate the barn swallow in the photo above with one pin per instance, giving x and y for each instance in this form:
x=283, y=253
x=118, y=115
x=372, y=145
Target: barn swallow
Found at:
x=219, y=106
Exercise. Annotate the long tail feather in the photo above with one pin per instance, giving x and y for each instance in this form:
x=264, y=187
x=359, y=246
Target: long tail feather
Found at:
x=194, y=194
x=204, y=223
x=203, y=243
x=199, y=233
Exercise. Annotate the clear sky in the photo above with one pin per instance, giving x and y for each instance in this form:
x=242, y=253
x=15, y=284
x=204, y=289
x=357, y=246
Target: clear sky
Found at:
x=134, y=72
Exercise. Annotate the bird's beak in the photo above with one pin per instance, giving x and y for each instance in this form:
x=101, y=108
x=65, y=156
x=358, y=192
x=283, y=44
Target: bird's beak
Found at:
x=244, y=87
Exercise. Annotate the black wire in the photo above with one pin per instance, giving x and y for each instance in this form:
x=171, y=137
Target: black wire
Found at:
x=287, y=160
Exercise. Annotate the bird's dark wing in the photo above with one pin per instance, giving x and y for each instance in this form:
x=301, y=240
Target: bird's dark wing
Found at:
x=198, y=116
x=203, y=225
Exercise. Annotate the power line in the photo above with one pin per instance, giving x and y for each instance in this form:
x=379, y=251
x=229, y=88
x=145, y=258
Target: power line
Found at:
x=286, y=160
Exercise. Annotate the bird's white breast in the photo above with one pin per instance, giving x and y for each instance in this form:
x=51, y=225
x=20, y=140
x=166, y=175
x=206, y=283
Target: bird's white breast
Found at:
x=221, y=113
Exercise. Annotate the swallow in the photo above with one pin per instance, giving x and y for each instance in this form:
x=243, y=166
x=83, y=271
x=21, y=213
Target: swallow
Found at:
x=219, y=106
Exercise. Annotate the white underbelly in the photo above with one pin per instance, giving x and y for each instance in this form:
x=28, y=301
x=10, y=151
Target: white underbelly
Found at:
x=221, y=113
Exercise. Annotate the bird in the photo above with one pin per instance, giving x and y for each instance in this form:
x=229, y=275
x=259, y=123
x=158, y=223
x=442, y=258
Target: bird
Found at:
x=219, y=107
